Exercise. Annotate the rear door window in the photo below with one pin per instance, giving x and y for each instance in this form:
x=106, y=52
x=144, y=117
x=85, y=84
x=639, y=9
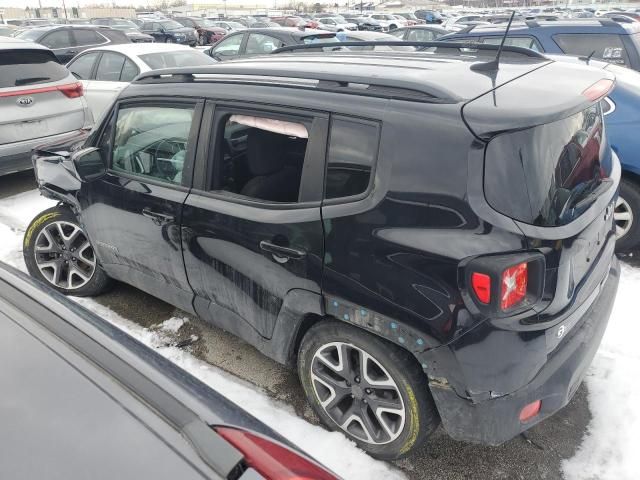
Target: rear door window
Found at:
x=129, y=71
x=29, y=67
x=420, y=35
x=84, y=37
x=608, y=47
x=110, y=67
x=351, y=157
x=257, y=43
x=82, y=66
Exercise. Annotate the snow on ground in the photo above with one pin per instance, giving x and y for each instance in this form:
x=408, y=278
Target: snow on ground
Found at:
x=330, y=448
x=611, y=448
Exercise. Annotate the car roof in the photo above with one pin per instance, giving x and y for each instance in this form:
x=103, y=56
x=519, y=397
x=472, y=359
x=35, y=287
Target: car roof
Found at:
x=140, y=48
x=291, y=31
x=11, y=43
x=576, y=26
x=448, y=78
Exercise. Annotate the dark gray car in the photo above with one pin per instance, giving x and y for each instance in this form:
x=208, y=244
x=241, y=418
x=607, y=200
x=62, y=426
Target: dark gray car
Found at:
x=81, y=399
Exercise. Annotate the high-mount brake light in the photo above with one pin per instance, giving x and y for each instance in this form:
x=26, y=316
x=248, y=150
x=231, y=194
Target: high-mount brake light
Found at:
x=514, y=285
x=598, y=90
x=481, y=284
x=272, y=460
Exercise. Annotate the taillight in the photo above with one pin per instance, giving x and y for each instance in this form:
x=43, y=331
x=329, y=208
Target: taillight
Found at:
x=271, y=459
x=481, y=284
x=73, y=90
x=530, y=410
x=514, y=286
x=503, y=285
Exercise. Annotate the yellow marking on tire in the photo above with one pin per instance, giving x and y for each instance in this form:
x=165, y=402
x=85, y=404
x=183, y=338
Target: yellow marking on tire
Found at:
x=415, y=423
x=36, y=224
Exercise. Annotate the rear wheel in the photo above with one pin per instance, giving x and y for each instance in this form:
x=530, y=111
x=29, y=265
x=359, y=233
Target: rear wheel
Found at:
x=57, y=251
x=168, y=40
x=369, y=389
x=627, y=217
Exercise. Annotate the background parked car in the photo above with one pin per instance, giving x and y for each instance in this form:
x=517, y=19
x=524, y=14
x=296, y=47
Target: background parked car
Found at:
x=39, y=99
x=605, y=39
x=7, y=30
x=364, y=23
x=429, y=16
x=419, y=33
x=336, y=24
x=105, y=71
x=364, y=36
x=410, y=18
x=129, y=28
x=388, y=21
x=170, y=31
x=260, y=41
x=85, y=372
x=228, y=26
x=66, y=41
x=294, y=21
x=208, y=33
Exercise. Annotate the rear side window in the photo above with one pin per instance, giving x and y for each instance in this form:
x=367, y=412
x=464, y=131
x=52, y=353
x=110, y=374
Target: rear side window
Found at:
x=352, y=153
x=524, y=42
x=541, y=175
x=110, y=67
x=82, y=66
x=87, y=37
x=29, y=67
x=607, y=47
x=57, y=39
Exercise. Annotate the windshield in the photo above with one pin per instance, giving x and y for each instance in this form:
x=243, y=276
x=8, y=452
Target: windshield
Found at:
x=171, y=25
x=30, y=34
x=177, y=58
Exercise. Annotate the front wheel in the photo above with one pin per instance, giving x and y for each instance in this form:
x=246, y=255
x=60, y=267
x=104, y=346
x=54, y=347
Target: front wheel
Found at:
x=57, y=251
x=371, y=390
x=168, y=40
x=627, y=217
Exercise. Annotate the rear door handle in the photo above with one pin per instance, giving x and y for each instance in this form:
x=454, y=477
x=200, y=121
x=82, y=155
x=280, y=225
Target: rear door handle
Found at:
x=282, y=252
x=157, y=218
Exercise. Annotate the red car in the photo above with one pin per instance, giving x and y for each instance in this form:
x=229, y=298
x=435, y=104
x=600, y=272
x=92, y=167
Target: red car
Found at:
x=293, y=21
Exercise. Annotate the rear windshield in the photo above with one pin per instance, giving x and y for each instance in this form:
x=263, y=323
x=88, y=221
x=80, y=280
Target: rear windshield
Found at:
x=178, y=58
x=550, y=174
x=29, y=67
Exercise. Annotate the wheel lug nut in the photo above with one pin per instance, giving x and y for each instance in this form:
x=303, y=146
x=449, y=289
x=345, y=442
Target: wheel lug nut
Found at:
x=357, y=379
x=368, y=390
x=364, y=400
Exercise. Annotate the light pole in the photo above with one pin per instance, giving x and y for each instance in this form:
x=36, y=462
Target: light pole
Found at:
x=64, y=7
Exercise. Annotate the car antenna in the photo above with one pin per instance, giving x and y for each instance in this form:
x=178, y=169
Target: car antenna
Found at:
x=587, y=59
x=494, y=64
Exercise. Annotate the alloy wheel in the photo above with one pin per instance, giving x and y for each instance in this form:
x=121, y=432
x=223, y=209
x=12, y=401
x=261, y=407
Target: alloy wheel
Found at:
x=357, y=393
x=64, y=255
x=623, y=217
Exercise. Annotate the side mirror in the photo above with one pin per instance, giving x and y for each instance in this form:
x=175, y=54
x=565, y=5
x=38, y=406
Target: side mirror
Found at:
x=89, y=164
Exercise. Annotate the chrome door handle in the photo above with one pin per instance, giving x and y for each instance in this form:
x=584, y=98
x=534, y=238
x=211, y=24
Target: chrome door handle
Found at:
x=157, y=218
x=282, y=252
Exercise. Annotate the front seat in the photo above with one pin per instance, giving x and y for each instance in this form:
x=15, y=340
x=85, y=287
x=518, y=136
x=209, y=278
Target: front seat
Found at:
x=271, y=178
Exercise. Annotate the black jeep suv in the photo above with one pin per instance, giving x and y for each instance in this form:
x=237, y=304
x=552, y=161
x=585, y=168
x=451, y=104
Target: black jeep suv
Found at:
x=428, y=238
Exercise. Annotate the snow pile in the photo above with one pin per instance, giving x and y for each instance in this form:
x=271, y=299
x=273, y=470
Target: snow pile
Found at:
x=611, y=448
x=330, y=448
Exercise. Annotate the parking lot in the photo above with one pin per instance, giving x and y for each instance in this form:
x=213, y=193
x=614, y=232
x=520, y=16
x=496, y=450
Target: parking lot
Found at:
x=537, y=454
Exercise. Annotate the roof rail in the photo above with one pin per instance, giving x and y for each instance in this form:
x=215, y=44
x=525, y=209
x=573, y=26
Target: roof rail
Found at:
x=459, y=46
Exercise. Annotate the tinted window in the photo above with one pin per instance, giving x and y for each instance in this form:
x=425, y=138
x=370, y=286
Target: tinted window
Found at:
x=260, y=157
x=110, y=67
x=82, y=66
x=353, y=149
x=87, y=37
x=420, y=35
x=29, y=67
x=398, y=33
x=259, y=43
x=558, y=164
x=129, y=71
x=606, y=47
x=152, y=141
x=57, y=39
x=524, y=42
x=177, y=58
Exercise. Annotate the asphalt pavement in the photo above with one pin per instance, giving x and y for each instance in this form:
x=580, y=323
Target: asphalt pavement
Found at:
x=536, y=454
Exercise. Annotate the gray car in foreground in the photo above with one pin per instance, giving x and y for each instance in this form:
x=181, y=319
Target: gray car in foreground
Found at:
x=40, y=102
x=82, y=399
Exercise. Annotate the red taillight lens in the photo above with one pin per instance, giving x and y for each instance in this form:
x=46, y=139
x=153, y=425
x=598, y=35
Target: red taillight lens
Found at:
x=514, y=285
x=481, y=284
x=598, y=89
x=529, y=411
x=73, y=90
x=272, y=460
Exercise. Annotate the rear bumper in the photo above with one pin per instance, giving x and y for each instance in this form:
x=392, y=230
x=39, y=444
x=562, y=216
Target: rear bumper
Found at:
x=15, y=157
x=496, y=420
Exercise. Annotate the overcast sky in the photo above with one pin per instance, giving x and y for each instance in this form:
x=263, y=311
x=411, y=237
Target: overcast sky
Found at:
x=69, y=3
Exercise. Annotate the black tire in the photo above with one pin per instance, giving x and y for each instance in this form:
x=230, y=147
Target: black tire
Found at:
x=420, y=418
x=98, y=280
x=168, y=40
x=630, y=193
x=393, y=26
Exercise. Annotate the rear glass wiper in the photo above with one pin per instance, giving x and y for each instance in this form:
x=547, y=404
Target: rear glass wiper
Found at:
x=29, y=80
